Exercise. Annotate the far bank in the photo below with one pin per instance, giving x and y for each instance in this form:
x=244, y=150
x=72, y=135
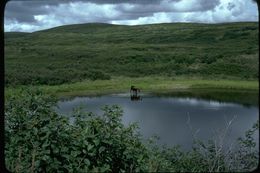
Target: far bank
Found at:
x=146, y=84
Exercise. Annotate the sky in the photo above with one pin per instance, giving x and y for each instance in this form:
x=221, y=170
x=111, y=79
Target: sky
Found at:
x=30, y=16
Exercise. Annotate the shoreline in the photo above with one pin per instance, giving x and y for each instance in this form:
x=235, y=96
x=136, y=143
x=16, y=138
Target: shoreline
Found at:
x=146, y=84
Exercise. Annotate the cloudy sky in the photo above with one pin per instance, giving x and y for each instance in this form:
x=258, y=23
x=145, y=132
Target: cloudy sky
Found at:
x=29, y=16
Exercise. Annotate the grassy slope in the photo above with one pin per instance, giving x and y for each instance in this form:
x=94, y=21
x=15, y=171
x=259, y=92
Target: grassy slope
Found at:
x=71, y=53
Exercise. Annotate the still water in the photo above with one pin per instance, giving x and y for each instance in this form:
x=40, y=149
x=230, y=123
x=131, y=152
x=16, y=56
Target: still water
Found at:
x=174, y=118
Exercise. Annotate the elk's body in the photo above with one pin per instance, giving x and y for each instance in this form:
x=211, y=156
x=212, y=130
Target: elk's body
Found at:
x=134, y=90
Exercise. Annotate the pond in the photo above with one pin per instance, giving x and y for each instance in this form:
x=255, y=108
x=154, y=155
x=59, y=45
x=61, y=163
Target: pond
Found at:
x=175, y=117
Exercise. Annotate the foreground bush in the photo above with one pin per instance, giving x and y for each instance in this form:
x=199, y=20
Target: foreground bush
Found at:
x=37, y=139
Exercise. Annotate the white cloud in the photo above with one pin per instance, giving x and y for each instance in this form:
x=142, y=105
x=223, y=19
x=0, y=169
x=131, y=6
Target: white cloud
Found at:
x=13, y=25
x=134, y=14
x=156, y=18
x=242, y=11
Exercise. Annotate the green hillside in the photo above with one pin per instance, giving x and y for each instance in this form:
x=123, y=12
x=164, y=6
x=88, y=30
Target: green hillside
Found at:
x=14, y=35
x=100, y=51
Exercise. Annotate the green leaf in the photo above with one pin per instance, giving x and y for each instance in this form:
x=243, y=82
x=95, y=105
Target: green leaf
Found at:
x=96, y=142
x=86, y=161
x=101, y=149
x=90, y=147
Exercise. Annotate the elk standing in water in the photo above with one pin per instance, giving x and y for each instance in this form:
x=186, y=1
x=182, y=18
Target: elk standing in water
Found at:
x=134, y=90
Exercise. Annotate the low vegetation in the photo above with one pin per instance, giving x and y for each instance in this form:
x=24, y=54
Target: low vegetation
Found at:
x=75, y=53
x=37, y=139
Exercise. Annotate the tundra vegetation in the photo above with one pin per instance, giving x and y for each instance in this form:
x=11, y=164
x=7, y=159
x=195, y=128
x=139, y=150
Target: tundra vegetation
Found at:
x=98, y=58
x=74, y=53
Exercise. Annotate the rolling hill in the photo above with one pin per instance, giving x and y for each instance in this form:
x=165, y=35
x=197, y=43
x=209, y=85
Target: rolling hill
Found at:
x=93, y=51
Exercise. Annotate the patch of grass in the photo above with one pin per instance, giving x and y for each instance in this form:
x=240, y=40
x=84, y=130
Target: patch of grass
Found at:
x=146, y=84
x=149, y=84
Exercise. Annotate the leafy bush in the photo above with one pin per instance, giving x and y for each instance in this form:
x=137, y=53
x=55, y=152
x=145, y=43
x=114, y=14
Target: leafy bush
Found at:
x=37, y=139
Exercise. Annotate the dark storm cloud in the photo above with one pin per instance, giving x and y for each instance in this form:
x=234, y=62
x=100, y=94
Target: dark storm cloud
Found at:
x=139, y=10
x=165, y=6
x=208, y=5
x=126, y=1
x=24, y=11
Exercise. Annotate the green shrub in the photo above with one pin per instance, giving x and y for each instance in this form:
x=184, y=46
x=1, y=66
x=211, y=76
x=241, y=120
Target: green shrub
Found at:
x=94, y=75
x=37, y=139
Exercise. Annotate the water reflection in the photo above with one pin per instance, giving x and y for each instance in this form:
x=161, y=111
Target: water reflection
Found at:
x=167, y=115
x=247, y=98
x=135, y=98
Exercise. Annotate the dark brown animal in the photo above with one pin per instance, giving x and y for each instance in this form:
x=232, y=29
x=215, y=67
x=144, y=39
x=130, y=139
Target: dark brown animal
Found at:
x=134, y=90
